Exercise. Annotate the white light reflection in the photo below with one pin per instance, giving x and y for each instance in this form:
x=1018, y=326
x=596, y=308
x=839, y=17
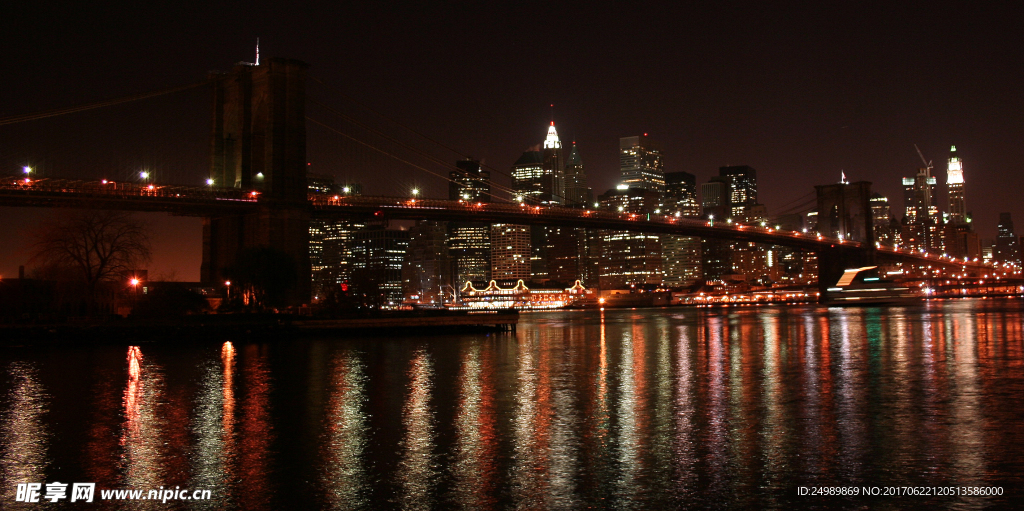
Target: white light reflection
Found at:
x=23, y=431
x=417, y=471
x=344, y=474
x=213, y=426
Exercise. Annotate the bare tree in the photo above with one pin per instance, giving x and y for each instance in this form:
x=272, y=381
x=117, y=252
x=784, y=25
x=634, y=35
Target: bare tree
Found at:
x=93, y=246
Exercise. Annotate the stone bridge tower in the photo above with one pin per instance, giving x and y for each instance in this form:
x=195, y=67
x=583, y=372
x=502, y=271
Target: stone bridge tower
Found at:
x=844, y=209
x=258, y=142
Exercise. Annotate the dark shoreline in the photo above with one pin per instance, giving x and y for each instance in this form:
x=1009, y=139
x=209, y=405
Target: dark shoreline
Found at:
x=255, y=327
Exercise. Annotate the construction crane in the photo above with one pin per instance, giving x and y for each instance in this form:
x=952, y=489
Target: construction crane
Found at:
x=927, y=164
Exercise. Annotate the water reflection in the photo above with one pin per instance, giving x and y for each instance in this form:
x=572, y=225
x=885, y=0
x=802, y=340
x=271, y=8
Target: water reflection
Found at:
x=344, y=473
x=417, y=472
x=213, y=427
x=475, y=468
x=646, y=409
x=23, y=455
x=142, y=439
x=256, y=432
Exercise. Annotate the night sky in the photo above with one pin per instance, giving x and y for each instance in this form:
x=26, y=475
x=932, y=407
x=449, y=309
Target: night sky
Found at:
x=798, y=93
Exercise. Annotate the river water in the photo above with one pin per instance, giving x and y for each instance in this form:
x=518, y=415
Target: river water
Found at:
x=621, y=409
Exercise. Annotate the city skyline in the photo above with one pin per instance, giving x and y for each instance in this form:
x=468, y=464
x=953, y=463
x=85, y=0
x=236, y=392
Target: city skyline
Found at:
x=801, y=96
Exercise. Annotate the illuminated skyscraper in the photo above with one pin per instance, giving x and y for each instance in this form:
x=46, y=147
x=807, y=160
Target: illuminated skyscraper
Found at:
x=921, y=220
x=630, y=258
x=426, y=273
x=640, y=160
x=528, y=179
x=681, y=254
x=510, y=252
x=1007, y=247
x=378, y=255
x=742, y=193
x=468, y=182
x=554, y=166
x=955, y=183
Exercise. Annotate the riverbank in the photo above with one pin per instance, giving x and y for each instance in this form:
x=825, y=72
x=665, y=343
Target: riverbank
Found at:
x=261, y=327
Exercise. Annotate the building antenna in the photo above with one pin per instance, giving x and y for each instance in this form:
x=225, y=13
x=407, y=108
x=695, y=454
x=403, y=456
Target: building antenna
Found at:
x=552, y=114
x=257, y=51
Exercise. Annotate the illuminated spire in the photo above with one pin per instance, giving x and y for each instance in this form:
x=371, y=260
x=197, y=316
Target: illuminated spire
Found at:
x=552, y=141
x=257, y=51
x=955, y=170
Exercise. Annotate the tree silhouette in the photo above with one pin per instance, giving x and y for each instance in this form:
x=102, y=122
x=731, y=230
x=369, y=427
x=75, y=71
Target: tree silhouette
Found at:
x=92, y=247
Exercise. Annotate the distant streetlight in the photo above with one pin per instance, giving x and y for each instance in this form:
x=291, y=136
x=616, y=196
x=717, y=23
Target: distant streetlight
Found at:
x=27, y=169
x=415, y=192
x=144, y=174
x=209, y=181
x=227, y=284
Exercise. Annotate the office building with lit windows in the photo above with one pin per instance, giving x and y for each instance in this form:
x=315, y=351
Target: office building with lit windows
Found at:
x=630, y=258
x=510, y=252
x=955, y=185
x=469, y=182
x=681, y=255
x=641, y=163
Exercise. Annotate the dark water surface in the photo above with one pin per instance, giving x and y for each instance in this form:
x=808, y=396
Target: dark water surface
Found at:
x=622, y=409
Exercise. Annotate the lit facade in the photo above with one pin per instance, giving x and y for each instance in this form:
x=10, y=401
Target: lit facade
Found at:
x=510, y=252
x=469, y=182
x=378, y=256
x=681, y=255
x=630, y=258
x=1007, y=248
x=742, y=190
x=469, y=248
x=955, y=184
x=426, y=273
x=515, y=294
x=641, y=163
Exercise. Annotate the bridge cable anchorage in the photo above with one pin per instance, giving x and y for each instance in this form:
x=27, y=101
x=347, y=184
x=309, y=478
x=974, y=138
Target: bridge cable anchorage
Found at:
x=420, y=152
x=99, y=104
x=413, y=130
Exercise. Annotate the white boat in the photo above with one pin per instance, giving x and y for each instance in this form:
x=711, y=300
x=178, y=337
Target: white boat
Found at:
x=863, y=286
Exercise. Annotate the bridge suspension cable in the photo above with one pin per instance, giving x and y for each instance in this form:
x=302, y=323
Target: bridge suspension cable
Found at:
x=13, y=119
x=382, y=151
x=398, y=123
x=385, y=136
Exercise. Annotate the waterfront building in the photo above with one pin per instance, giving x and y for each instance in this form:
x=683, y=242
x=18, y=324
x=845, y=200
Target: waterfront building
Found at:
x=331, y=241
x=510, y=252
x=469, y=250
x=681, y=255
x=641, y=163
x=630, y=258
x=516, y=294
x=377, y=259
x=426, y=273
